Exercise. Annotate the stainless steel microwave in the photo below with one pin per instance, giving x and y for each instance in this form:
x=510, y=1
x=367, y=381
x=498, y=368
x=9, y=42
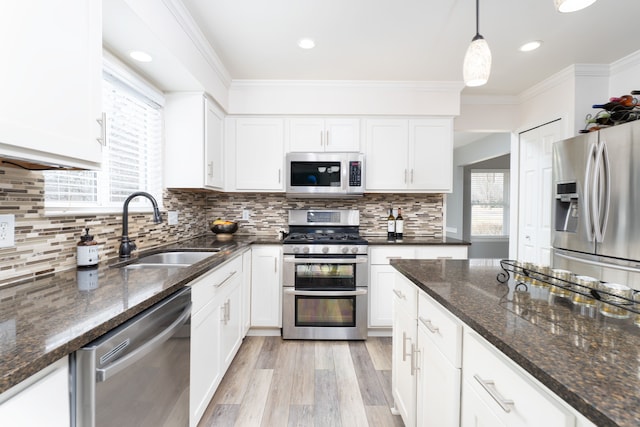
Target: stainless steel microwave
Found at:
x=325, y=174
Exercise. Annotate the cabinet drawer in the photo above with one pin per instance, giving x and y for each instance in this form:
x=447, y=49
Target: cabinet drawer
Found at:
x=406, y=294
x=441, y=252
x=204, y=288
x=510, y=393
x=442, y=328
x=383, y=254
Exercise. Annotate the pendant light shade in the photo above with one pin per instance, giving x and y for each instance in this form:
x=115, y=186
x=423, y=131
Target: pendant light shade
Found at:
x=565, y=6
x=477, y=61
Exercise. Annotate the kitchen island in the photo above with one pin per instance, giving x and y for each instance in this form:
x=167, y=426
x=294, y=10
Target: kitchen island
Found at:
x=588, y=360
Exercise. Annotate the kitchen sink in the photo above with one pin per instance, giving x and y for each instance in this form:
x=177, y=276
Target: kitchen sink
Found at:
x=169, y=259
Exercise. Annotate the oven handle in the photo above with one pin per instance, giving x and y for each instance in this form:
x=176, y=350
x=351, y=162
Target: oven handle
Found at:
x=292, y=260
x=326, y=293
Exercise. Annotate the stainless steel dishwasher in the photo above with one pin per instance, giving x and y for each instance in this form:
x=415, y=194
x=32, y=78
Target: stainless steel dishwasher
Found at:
x=138, y=373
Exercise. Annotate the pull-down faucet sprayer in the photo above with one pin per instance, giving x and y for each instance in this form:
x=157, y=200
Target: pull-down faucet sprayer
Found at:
x=126, y=245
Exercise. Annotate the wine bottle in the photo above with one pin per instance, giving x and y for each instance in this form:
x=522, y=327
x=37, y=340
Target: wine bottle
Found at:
x=391, y=225
x=399, y=224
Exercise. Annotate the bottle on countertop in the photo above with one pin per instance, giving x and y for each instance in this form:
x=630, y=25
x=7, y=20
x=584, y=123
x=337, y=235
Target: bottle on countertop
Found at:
x=87, y=254
x=399, y=224
x=391, y=225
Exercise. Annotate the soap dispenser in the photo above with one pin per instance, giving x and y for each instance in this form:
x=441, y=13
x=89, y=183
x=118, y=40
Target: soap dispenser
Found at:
x=87, y=250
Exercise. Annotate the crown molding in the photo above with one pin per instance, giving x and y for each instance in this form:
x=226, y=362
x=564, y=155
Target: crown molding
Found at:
x=191, y=29
x=627, y=62
x=428, y=86
x=489, y=100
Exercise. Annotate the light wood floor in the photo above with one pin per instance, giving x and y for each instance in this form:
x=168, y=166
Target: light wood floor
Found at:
x=274, y=382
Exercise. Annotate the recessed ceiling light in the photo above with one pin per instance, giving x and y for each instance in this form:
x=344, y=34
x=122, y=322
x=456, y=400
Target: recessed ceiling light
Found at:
x=140, y=56
x=306, y=43
x=529, y=46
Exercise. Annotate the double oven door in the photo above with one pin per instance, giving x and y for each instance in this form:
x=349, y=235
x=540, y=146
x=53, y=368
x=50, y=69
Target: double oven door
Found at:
x=325, y=297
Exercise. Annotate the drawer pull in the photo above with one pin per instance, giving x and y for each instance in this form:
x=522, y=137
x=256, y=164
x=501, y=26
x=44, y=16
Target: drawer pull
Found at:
x=394, y=257
x=445, y=257
x=490, y=387
x=427, y=323
x=399, y=294
x=226, y=279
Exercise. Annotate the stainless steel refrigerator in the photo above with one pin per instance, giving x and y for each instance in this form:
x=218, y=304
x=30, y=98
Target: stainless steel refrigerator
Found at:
x=596, y=206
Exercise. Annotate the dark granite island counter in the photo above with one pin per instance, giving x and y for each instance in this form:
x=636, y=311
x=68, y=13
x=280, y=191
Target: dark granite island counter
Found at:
x=590, y=361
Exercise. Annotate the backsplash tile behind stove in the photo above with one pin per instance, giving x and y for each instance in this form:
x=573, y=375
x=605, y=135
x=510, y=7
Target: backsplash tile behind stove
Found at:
x=46, y=244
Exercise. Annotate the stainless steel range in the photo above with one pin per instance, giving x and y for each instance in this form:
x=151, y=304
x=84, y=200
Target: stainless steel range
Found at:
x=325, y=276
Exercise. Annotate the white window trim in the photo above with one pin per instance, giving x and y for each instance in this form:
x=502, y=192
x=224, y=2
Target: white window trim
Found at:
x=506, y=214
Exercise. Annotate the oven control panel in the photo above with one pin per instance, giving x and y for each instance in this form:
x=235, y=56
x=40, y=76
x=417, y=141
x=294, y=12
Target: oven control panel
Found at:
x=325, y=249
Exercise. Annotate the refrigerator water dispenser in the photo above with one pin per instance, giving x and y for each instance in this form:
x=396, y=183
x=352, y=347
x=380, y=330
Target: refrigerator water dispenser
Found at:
x=566, y=207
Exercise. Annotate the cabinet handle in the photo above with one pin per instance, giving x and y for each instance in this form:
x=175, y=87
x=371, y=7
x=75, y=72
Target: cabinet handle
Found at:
x=103, y=129
x=275, y=265
x=227, y=311
x=444, y=257
x=427, y=323
x=394, y=257
x=226, y=279
x=321, y=140
x=490, y=387
x=404, y=347
x=223, y=313
x=279, y=176
x=326, y=140
x=210, y=168
x=412, y=176
x=399, y=294
x=414, y=359
x=405, y=176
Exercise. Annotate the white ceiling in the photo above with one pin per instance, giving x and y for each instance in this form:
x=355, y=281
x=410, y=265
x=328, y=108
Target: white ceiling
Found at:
x=412, y=40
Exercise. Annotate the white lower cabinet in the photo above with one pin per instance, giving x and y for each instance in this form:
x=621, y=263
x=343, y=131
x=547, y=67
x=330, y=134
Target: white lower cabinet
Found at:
x=382, y=275
x=216, y=332
x=40, y=400
x=476, y=412
x=404, y=346
x=506, y=390
x=266, y=286
x=439, y=362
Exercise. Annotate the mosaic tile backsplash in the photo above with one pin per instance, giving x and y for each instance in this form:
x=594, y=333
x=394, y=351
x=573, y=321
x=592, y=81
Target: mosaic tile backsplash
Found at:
x=45, y=244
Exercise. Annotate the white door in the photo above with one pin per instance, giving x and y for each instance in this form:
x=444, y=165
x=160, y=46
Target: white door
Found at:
x=259, y=154
x=306, y=135
x=266, y=286
x=430, y=165
x=535, y=192
x=342, y=135
x=214, y=140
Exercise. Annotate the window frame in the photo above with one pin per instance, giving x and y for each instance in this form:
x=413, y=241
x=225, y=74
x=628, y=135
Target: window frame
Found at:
x=506, y=214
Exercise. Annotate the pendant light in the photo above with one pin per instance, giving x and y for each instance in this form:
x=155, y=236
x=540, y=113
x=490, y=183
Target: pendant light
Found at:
x=477, y=60
x=565, y=6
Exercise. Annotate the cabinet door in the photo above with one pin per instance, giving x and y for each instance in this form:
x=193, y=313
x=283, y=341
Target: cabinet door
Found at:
x=231, y=326
x=266, y=286
x=205, y=363
x=259, y=154
x=403, y=381
x=386, y=154
x=382, y=278
x=438, y=386
x=342, y=135
x=41, y=400
x=306, y=135
x=214, y=154
x=430, y=155
x=51, y=82
x=475, y=413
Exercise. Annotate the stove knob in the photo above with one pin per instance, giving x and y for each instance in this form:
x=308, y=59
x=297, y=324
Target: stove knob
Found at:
x=296, y=249
x=325, y=249
x=354, y=250
x=305, y=249
x=345, y=250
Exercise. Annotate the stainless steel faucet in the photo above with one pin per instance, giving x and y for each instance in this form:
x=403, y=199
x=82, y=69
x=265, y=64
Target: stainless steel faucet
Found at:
x=126, y=245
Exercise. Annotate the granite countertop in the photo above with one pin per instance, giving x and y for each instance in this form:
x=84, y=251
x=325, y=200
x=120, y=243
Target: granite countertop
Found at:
x=45, y=319
x=415, y=240
x=589, y=360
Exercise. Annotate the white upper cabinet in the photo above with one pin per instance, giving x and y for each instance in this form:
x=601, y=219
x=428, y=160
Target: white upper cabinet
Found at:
x=256, y=154
x=317, y=134
x=51, y=82
x=409, y=155
x=194, y=134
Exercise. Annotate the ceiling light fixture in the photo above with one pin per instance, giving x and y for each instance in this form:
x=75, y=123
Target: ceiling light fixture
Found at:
x=306, y=43
x=140, y=56
x=566, y=6
x=529, y=46
x=477, y=61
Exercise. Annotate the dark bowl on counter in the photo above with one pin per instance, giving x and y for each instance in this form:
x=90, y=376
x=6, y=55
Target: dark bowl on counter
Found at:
x=224, y=231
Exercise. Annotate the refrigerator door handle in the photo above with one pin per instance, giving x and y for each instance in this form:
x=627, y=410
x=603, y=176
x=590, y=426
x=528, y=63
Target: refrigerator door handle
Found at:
x=589, y=193
x=600, y=201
